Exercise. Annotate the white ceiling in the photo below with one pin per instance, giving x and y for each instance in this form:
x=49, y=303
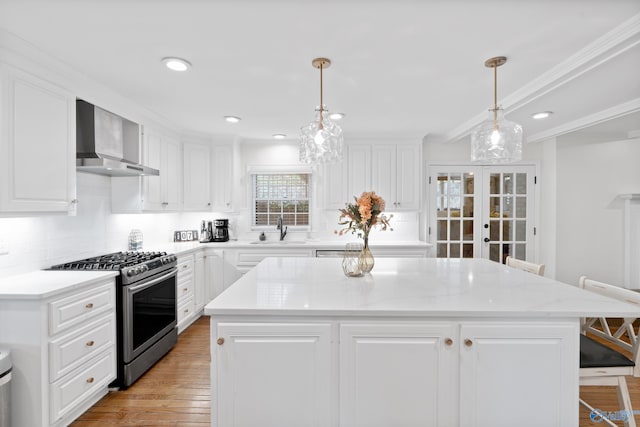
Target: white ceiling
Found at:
x=400, y=67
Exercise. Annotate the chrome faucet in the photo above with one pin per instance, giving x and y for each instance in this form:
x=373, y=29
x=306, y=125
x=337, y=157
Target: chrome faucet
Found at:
x=283, y=230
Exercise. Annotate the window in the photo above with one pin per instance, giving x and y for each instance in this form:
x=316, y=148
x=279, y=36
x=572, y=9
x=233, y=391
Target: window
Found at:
x=284, y=194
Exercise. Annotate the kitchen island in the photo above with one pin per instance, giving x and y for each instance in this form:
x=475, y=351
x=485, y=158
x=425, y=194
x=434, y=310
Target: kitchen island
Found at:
x=418, y=342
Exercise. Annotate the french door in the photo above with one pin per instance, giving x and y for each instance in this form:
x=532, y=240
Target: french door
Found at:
x=482, y=211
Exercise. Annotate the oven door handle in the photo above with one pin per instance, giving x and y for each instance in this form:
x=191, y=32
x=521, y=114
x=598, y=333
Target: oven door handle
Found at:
x=155, y=281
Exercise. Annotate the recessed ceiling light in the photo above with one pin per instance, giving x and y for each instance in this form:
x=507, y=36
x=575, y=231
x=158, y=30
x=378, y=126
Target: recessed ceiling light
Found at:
x=336, y=116
x=176, y=64
x=542, y=115
x=279, y=136
x=232, y=119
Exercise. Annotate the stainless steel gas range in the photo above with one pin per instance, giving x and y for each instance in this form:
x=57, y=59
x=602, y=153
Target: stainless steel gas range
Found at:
x=146, y=307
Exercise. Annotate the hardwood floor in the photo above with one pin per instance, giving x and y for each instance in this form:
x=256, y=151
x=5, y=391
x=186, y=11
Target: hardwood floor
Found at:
x=176, y=391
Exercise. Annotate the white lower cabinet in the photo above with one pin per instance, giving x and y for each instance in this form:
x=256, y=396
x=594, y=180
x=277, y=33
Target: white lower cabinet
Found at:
x=522, y=359
x=273, y=375
x=63, y=352
x=394, y=373
x=397, y=375
x=184, y=292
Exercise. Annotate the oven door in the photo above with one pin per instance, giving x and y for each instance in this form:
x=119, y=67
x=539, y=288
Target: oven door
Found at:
x=149, y=312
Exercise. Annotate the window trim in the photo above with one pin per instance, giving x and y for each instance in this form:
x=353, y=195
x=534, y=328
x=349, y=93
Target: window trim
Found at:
x=278, y=170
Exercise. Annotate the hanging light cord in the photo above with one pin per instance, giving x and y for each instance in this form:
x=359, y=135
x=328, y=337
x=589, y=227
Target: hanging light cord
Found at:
x=495, y=96
x=321, y=103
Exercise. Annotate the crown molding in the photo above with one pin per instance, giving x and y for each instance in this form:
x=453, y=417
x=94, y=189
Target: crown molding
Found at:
x=614, y=112
x=608, y=46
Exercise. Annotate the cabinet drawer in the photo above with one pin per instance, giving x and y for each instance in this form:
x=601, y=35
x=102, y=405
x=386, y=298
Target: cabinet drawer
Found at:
x=71, y=390
x=70, y=351
x=249, y=259
x=81, y=307
x=185, y=266
x=184, y=290
x=186, y=309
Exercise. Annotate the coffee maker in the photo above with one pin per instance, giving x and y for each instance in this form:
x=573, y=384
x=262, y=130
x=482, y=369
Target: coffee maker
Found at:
x=221, y=231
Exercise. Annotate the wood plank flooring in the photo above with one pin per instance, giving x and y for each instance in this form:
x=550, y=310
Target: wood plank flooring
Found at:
x=176, y=391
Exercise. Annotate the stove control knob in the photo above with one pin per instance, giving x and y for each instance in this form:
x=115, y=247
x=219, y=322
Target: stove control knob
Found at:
x=144, y=268
x=138, y=270
x=130, y=272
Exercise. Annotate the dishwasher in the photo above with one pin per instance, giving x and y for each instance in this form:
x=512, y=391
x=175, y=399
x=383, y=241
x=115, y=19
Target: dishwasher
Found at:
x=329, y=253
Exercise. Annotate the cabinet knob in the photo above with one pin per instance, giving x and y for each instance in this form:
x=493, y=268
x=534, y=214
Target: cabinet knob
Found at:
x=185, y=289
x=90, y=343
x=74, y=202
x=89, y=305
x=186, y=310
x=209, y=204
x=165, y=203
x=448, y=342
x=90, y=380
x=468, y=342
x=220, y=341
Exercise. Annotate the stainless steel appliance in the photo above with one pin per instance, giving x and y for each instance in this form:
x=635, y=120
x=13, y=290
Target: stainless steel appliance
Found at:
x=146, y=307
x=107, y=144
x=221, y=231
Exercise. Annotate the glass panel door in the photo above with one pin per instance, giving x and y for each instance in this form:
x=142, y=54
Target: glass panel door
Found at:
x=508, y=216
x=456, y=214
x=481, y=211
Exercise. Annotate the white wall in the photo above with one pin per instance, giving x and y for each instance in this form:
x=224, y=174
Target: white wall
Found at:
x=40, y=242
x=590, y=176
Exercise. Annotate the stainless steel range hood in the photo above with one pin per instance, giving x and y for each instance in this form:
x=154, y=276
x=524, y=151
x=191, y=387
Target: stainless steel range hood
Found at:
x=107, y=144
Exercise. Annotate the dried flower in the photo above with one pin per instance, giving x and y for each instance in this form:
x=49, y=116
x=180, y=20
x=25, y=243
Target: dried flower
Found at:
x=366, y=213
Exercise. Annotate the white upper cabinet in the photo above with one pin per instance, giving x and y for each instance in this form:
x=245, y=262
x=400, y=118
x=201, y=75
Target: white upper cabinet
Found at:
x=223, y=185
x=358, y=170
x=163, y=192
x=396, y=175
x=391, y=170
x=37, y=145
x=197, y=177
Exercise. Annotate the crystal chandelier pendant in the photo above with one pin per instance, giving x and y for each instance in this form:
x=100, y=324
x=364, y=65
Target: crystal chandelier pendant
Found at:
x=321, y=143
x=496, y=140
x=321, y=140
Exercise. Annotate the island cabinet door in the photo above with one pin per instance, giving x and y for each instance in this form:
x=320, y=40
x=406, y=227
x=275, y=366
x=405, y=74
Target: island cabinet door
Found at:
x=519, y=374
x=272, y=375
x=398, y=375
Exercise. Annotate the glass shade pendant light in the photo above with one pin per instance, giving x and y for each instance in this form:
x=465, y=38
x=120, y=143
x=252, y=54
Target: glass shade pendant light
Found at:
x=321, y=140
x=496, y=140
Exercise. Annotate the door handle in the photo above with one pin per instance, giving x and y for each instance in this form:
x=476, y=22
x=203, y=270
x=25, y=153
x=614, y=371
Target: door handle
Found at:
x=487, y=240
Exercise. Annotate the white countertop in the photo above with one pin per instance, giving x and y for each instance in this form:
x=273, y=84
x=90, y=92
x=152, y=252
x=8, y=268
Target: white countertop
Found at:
x=45, y=283
x=425, y=287
x=181, y=248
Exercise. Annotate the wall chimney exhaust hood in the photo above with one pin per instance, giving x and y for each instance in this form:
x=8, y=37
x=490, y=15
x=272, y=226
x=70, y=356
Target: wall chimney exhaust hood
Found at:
x=107, y=144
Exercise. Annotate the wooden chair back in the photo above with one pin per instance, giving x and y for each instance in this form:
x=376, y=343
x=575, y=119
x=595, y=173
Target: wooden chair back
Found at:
x=623, y=336
x=526, y=266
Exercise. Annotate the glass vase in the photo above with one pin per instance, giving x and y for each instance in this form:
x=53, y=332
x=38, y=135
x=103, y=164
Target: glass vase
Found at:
x=365, y=260
x=350, y=261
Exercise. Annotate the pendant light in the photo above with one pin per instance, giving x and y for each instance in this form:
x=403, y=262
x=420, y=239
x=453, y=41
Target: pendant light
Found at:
x=321, y=140
x=496, y=140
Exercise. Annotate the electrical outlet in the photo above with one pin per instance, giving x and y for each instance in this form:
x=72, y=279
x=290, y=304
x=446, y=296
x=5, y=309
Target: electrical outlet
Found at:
x=4, y=247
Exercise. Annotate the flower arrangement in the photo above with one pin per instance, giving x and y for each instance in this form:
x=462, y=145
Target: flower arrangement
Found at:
x=361, y=217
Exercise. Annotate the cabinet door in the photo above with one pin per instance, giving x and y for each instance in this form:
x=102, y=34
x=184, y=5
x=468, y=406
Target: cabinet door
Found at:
x=37, y=145
x=222, y=178
x=334, y=188
x=256, y=359
x=408, y=158
x=359, y=167
x=383, y=179
x=199, y=277
x=534, y=362
x=152, y=157
x=398, y=375
x=197, y=178
x=172, y=180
